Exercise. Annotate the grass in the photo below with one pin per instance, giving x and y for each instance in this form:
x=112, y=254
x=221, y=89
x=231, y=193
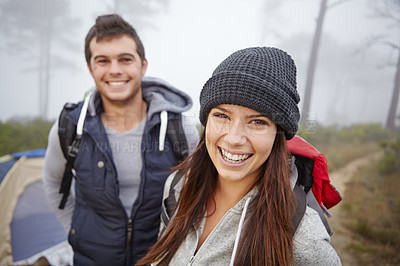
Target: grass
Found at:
x=358, y=247
x=372, y=207
x=373, y=213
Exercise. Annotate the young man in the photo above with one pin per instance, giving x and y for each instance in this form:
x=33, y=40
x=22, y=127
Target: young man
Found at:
x=112, y=214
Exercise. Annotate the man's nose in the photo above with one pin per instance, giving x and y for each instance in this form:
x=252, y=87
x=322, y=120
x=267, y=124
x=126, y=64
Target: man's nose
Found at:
x=115, y=67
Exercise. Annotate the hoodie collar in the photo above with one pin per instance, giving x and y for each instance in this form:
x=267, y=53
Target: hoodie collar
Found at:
x=161, y=98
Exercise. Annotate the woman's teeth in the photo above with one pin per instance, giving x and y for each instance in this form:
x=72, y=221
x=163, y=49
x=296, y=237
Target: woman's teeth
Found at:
x=233, y=158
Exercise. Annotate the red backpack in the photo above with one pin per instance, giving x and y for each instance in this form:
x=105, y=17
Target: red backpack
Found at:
x=325, y=193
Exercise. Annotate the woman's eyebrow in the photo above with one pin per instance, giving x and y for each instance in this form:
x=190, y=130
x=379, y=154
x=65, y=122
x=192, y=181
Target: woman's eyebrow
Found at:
x=248, y=116
x=257, y=116
x=222, y=109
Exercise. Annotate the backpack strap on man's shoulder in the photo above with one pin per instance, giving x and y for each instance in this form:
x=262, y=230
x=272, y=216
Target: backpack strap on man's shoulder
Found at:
x=66, y=128
x=176, y=135
x=70, y=135
x=69, y=147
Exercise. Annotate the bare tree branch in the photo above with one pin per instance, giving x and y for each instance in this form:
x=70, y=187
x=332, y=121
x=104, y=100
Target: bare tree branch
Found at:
x=339, y=2
x=389, y=10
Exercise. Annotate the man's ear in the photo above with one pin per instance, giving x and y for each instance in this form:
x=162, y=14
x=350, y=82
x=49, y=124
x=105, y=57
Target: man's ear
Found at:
x=144, y=67
x=90, y=69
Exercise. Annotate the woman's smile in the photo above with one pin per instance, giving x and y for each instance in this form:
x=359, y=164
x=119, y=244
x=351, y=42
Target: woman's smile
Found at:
x=235, y=158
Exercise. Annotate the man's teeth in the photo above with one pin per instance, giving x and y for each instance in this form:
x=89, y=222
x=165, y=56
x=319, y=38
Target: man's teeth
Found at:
x=116, y=83
x=233, y=158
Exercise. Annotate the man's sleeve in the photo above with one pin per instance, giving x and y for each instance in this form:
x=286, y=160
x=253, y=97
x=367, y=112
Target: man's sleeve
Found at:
x=53, y=172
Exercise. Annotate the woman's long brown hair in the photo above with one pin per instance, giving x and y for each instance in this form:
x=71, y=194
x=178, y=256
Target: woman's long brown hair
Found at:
x=268, y=232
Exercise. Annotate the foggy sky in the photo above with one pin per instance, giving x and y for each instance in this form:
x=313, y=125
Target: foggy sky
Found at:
x=190, y=38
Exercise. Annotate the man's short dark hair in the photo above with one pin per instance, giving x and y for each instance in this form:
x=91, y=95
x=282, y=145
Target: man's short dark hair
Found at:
x=108, y=27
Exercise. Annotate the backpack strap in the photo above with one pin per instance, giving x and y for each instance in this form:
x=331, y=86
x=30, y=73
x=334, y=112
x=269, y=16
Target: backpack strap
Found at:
x=66, y=129
x=301, y=202
x=176, y=135
x=169, y=199
x=69, y=147
x=70, y=138
x=313, y=203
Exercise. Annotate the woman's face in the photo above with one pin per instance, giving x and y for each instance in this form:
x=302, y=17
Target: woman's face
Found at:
x=239, y=140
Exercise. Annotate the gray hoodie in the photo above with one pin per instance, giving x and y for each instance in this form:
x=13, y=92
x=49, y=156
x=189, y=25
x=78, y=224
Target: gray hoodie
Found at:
x=311, y=240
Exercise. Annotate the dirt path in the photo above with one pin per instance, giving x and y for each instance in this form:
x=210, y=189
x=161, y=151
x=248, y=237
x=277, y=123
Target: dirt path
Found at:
x=342, y=237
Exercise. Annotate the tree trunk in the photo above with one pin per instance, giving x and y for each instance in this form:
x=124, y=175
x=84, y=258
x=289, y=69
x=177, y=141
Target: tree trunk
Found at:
x=41, y=75
x=47, y=70
x=391, y=119
x=312, y=64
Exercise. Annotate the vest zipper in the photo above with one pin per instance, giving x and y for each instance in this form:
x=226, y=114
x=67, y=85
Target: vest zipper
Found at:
x=128, y=240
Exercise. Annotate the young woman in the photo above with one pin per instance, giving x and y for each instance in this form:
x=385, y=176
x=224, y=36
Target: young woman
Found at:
x=236, y=205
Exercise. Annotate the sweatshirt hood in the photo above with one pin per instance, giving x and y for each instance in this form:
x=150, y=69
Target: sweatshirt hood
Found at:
x=161, y=96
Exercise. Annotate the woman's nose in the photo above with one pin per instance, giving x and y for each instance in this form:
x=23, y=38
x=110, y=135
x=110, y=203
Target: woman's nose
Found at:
x=236, y=134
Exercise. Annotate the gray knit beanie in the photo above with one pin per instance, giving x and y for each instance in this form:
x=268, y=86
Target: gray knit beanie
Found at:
x=260, y=78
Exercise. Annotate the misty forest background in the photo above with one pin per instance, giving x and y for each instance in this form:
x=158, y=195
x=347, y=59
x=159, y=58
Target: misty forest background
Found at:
x=31, y=33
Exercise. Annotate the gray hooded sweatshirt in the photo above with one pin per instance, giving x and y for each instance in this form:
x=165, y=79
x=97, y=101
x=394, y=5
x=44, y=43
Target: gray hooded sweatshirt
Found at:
x=311, y=240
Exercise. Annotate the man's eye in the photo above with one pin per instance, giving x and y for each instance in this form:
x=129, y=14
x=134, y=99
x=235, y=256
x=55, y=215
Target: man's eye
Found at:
x=126, y=60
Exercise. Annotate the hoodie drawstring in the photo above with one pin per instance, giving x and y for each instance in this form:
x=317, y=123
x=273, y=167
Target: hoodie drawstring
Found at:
x=239, y=231
x=82, y=115
x=163, y=129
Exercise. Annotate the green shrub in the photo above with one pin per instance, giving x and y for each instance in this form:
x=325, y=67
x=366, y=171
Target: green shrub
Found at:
x=18, y=136
x=342, y=145
x=390, y=163
x=357, y=133
x=364, y=133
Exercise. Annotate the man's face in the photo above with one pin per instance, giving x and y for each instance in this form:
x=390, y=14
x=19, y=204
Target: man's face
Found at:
x=117, y=70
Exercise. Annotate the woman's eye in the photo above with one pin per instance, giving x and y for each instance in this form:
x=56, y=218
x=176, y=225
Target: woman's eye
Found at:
x=219, y=115
x=259, y=122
